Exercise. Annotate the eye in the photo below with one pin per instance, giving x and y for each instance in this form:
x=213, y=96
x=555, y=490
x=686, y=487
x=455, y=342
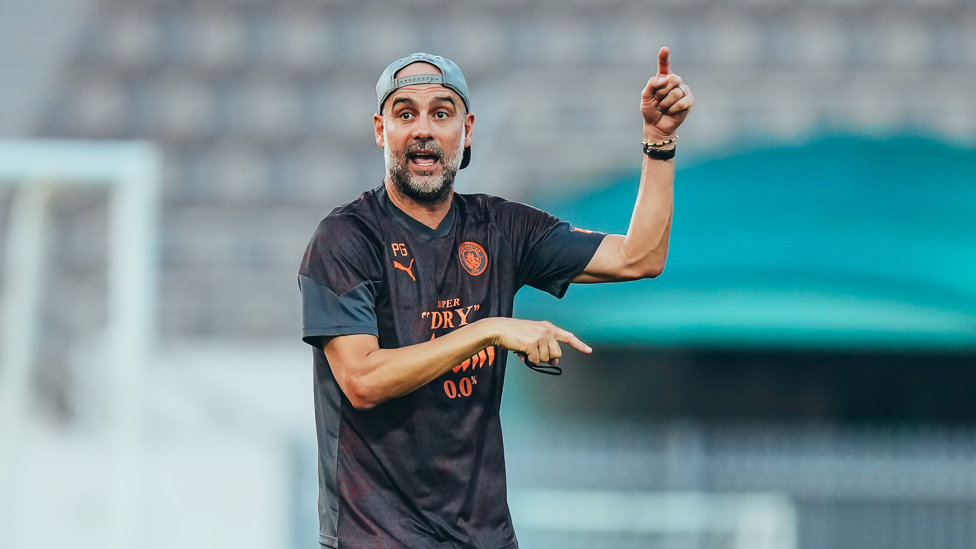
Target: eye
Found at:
x=441, y=115
x=406, y=115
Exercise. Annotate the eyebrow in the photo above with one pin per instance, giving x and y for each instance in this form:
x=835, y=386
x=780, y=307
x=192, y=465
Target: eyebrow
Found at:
x=411, y=102
x=445, y=99
x=399, y=100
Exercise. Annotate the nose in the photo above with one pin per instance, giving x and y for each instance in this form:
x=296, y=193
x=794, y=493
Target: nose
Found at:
x=421, y=129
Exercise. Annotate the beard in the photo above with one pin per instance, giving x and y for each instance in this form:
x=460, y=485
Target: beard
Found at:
x=425, y=187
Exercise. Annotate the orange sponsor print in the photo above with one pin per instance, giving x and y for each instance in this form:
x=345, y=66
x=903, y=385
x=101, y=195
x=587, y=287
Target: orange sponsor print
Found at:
x=446, y=319
x=408, y=270
x=465, y=387
x=578, y=230
x=480, y=360
x=473, y=258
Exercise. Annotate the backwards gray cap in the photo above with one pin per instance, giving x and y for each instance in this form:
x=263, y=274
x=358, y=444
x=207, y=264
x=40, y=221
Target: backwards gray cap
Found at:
x=450, y=78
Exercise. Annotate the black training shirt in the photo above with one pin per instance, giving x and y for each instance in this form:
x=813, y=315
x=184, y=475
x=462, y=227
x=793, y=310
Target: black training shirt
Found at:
x=426, y=470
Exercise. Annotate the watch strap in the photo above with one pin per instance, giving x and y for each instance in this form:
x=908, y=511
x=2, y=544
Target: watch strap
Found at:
x=659, y=154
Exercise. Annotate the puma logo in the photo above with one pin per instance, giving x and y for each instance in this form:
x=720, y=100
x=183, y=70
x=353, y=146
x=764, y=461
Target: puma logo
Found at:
x=408, y=270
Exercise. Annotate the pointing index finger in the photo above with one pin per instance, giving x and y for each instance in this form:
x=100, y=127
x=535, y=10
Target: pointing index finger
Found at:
x=664, y=62
x=566, y=337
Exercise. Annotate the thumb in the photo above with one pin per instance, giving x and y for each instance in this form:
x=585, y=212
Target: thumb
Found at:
x=664, y=62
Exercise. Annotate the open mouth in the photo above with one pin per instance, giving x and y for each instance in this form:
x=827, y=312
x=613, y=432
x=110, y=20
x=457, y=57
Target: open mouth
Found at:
x=423, y=159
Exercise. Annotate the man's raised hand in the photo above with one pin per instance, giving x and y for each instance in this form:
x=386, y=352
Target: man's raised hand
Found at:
x=665, y=101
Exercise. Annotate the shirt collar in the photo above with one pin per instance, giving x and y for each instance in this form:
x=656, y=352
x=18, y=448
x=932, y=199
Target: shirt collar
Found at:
x=410, y=224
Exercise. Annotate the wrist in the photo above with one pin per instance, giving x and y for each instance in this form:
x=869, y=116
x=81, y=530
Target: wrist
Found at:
x=488, y=333
x=663, y=150
x=653, y=135
x=666, y=145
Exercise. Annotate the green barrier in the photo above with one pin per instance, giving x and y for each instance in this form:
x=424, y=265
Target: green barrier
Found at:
x=843, y=243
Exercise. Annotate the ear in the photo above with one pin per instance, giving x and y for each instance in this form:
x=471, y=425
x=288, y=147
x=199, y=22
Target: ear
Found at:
x=378, y=126
x=468, y=128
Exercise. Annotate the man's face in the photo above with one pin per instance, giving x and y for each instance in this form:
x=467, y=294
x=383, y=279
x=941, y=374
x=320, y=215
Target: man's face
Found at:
x=423, y=131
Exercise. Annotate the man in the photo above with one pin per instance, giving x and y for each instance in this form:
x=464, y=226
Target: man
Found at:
x=408, y=295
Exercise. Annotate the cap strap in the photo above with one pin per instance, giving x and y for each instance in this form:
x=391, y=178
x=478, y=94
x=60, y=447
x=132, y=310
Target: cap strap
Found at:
x=418, y=79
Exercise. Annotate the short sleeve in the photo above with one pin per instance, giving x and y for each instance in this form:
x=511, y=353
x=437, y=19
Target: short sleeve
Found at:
x=558, y=256
x=550, y=252
x=338, y=281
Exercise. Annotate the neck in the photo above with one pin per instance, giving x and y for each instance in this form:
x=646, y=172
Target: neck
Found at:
x=428, y=213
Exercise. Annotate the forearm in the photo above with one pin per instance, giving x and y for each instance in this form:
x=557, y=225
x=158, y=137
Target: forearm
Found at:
x=642, y=252
x=369, y=375
x=373, y=375
x=645, y=247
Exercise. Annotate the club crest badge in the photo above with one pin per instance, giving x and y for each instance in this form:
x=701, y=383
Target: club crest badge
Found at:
x=473, y=258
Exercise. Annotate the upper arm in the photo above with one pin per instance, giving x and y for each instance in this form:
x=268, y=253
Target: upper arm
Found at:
x=347, y=356
x=348, y=350
x=611, y=263
x=604, y=266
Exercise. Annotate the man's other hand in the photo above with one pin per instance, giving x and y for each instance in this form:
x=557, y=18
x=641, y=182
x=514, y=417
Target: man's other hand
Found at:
x=538, y=340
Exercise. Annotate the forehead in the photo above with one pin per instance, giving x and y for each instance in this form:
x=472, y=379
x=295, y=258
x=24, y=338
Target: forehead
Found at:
x=422, y=92
x=419, y=67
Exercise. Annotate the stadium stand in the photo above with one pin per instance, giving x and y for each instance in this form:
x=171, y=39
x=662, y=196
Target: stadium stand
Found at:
x=263, y=108
x=262, y=111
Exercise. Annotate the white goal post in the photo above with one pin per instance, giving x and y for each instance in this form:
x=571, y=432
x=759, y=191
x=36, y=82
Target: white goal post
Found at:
x=131, y=173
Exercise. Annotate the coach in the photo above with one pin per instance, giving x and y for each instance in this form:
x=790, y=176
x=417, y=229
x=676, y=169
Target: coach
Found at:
x=407, y=301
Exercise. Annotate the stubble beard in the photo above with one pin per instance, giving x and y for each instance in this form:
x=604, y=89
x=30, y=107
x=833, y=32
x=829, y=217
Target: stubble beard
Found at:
x=425, y=187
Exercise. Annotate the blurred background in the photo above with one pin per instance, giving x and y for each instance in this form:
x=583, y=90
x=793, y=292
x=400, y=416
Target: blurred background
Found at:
x=802, y=376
